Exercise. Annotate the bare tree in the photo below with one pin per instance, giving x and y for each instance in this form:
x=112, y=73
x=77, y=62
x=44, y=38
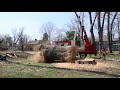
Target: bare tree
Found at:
x=79, y=23
x=45, y=37
x=17, y=36
x=114, y=30
x=8, y=39
x=24, y=41
x=60, y=33
x=48, y=28
x=14, y=32
x=79, y=26
x=115, y=26
x=1, y=41
x=108, y=30
x=74, y=26
x=5, y=41
x=92, y=22
x=100, y=28
x=111, y=28
x=118, y=25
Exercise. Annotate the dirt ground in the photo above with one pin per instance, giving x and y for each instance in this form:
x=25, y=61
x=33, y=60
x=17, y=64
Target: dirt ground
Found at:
x=100, y=66
x=21, y=54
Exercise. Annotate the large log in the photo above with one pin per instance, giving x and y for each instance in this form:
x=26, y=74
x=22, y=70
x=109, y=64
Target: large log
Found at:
x=52, y=54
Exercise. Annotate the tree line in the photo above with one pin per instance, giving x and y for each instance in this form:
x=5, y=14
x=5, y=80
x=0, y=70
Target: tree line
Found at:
x=17, y=38
x=100, y=22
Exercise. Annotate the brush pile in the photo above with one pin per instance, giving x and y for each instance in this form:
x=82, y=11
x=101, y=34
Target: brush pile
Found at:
x=49, y=54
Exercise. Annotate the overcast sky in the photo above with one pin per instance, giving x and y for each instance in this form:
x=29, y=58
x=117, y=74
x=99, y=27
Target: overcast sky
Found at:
x=32, y=21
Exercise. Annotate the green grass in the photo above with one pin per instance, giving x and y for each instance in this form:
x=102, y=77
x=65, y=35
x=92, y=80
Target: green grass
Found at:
x=25, y=68
x=113, y=55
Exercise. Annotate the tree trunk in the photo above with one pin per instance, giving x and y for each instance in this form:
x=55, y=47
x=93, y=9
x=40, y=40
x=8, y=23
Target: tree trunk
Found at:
x=100, y=40
x=110, y=39
x=91, y=29
x=111, y=26
x=119, y=31
x=14, y=45
x=108, y=30
x=92, y=35
x=99, y=32
x=100, y=29
x=22, y=48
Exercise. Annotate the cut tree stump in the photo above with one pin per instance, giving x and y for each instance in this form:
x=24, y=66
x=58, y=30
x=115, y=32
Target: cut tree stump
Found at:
x=86, y=62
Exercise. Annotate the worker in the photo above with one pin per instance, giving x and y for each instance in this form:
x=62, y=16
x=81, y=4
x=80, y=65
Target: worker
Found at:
x=119, y=51
x=103, y=52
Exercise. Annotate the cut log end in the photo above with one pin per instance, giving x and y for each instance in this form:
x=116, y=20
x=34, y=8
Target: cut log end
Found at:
x=86, y=62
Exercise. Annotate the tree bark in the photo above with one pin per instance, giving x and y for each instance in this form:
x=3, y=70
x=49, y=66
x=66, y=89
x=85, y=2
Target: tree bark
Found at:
x=100, y=29
x=111, y=26
x=108, y=30
x=91, y=29
x=22, y=48
x=78, y=17
x=119, y=30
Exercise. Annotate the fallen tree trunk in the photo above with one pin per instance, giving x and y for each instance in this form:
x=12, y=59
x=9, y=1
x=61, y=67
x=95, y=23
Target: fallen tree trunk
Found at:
x=53, y=54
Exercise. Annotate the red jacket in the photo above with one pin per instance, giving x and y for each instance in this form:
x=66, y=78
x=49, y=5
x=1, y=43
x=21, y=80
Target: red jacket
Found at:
x=103, y=51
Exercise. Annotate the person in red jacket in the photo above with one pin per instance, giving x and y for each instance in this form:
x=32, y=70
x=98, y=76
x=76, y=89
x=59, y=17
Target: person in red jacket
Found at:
x=103, y=51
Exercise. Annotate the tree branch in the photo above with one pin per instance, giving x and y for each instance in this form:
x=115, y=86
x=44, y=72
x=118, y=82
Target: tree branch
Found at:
x=78, y=17
x=114, y=18
x=94, y=20
x=103, y=20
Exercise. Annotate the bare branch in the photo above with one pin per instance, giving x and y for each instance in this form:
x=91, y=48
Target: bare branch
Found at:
x=78, y=17
x=48, y=28
x=94, y=20
x=114, y=18
x=103, y=20
x=19, y=34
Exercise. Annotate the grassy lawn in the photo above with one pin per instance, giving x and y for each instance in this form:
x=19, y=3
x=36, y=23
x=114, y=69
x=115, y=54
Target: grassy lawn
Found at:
x=113, y=55
x=25, y=68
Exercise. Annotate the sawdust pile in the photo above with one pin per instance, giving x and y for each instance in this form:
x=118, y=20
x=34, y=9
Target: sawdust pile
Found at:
x=38, y=57
x=99, y=66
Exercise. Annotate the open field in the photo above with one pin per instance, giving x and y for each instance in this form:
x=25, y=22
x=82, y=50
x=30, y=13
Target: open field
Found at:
x=27, y=68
